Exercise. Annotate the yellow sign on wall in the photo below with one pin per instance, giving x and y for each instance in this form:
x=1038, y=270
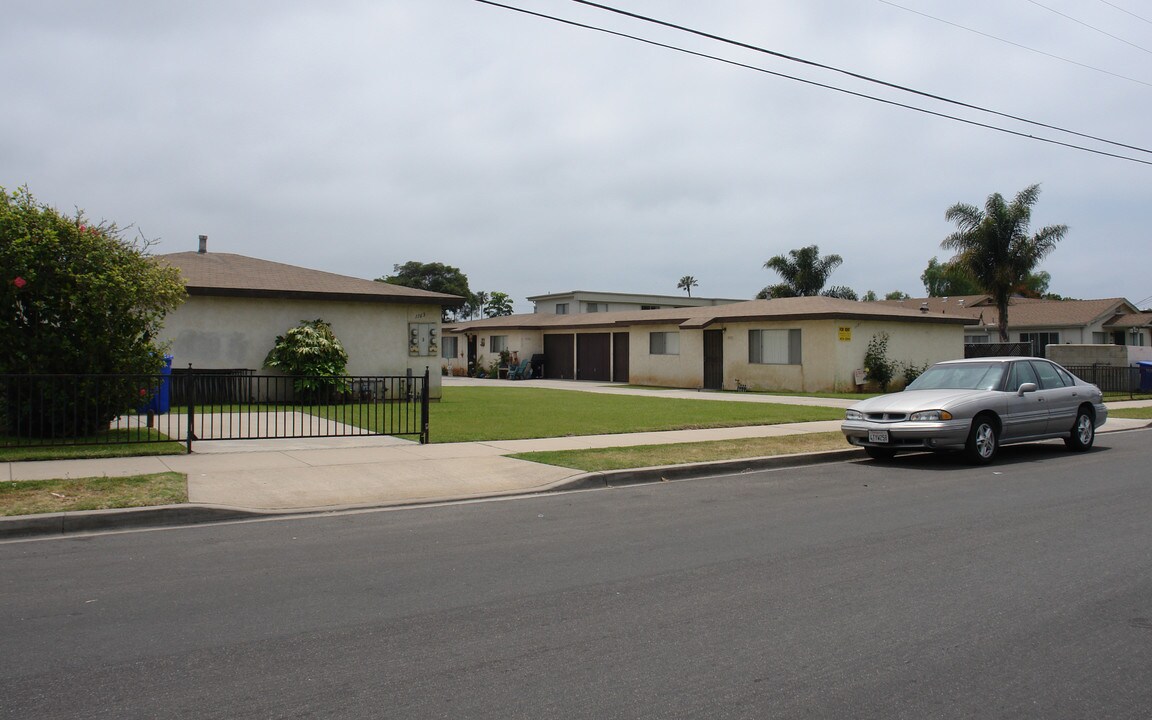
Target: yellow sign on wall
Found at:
x=845, y=334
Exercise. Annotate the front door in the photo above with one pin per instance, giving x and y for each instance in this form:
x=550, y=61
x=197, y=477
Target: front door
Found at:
x=713, y=359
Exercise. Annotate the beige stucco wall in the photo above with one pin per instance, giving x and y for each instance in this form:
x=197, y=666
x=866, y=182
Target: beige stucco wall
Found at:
x=829, y=357
x=828, y=361
x=1113, y=355
x=233, y=333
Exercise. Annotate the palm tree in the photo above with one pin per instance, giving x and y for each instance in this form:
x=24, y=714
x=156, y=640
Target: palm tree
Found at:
x=686, y=284
x=994, y=247
x=804, y=272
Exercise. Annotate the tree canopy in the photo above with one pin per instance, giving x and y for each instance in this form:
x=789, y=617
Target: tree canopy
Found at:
x=803, y=271
x=433, y=277
x=994, y=248
x=77, y=298
x=499, y=305
x=686, y=284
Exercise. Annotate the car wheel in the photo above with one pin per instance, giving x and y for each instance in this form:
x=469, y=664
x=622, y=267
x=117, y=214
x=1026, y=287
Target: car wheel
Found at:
x=1083, y=432
x=877, y=453
x=983, y=440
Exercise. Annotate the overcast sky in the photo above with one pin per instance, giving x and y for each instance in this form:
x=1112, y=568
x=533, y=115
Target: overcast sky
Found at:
x=353, y=135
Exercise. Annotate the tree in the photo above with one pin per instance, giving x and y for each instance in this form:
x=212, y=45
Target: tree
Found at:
x=993, y=245
x=869, y=296
x=897, y=295
x=686, y=284
x=499, y=304
x=476, y=303
x=433, y=277
x=841, y=291
x=312, y=354
x=947, y=280
x=804, y=272
x=76, y=297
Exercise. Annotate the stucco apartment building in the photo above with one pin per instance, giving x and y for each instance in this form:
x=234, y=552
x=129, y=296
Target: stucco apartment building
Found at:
x=237, y=305
x=808, y=344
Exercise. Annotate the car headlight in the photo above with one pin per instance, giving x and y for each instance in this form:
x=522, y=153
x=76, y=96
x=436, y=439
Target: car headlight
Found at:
x=930, y=416
x=853, y=415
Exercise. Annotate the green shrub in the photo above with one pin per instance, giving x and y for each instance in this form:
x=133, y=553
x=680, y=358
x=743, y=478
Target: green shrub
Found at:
x=312, y=354
x=76, y=298
x=879, y=368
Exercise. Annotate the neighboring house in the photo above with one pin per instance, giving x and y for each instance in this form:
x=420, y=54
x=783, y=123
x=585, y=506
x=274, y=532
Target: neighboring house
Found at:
x=237, y=306
x=1108, y=321
x=807, y=344
x=584, y=301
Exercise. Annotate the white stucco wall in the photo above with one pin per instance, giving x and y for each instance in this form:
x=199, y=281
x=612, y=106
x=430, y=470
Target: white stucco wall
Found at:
x=234, y=333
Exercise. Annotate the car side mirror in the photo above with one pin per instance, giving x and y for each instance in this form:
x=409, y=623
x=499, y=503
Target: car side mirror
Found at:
x=1026, y=388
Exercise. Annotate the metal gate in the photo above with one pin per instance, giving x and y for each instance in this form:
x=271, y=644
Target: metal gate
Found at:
x=187, y=406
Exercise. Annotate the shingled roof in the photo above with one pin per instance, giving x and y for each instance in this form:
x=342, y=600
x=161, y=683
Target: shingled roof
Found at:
x=228, y=275
x=780, y=309
x=1022, y=312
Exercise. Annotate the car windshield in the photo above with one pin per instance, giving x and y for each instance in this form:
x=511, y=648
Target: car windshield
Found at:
x=960, y=376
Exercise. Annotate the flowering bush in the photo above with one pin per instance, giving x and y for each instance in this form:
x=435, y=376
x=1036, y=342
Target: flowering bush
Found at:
x=312, y=353
x=77, y=298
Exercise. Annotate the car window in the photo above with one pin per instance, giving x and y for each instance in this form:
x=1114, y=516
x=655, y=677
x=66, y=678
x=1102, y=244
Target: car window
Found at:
x=960, y=376
x=1069, y=378
x=1022, y=372
x=1049, y=378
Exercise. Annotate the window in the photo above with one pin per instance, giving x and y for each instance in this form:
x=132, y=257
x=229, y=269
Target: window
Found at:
x=1039, y=340
x=498, y=343
x=1100, y=338
x=774, y=347
x=595, y=307
x=664, y=343
x=1022, y=372
x=649, y=307
x=561, y=308
x=1049, y=377
x=449, y=347
x=975, y=339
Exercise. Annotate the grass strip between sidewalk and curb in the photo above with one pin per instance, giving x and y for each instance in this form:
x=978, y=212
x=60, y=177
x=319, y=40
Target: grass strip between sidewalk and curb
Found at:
x=33, y=497
x=1136, y=413
x=624, y=458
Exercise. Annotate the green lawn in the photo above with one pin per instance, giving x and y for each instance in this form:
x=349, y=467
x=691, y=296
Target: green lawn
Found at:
x=113, y=443
x=1138, y=413
x=512, y=413
x=29, y=497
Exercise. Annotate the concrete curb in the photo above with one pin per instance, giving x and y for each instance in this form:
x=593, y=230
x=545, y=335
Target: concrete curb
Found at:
x=32, y=526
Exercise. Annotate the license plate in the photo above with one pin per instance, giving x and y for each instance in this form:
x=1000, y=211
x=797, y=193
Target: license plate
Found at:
x=878, y=436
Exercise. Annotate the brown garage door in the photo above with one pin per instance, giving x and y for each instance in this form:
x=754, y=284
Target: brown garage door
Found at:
x=559, y=358
x=594, y=356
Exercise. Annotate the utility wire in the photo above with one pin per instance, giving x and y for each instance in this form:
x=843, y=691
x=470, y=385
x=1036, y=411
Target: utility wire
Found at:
x=825, y=86
x=1128, y=12
x=1090, y=27
x=855, y=75
x=1015, y=44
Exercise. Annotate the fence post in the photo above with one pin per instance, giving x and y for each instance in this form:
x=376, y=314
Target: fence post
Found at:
x=191, y=409
x=424, y=424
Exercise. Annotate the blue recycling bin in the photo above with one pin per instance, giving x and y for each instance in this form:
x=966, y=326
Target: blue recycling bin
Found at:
x=161, y=402
x=1145, y=375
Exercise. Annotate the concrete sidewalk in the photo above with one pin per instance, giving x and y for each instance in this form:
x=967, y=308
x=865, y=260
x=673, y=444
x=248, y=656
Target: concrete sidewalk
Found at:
x=233, y=479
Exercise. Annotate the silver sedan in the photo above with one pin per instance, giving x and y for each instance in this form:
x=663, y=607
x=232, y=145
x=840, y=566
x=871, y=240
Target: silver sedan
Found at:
x=977, y=405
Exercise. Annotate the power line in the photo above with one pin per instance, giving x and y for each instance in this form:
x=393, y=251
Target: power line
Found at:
x=1128, y=12
x=1015, y=44
x=857, y=76
x=1090, y=27
x=845, y=91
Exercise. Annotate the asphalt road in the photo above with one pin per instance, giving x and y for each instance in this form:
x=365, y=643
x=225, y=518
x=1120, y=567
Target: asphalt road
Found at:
x=924, y=588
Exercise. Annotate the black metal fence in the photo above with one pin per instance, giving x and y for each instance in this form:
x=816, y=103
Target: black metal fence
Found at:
x=1109, y=378
x=187, y=406
x=979, y=350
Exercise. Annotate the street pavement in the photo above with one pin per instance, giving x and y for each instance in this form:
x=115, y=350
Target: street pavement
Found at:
x=238, y=479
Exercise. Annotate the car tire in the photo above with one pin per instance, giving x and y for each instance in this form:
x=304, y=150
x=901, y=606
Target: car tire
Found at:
x=1083, y=432
x=983, y=440
x=878, y=453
